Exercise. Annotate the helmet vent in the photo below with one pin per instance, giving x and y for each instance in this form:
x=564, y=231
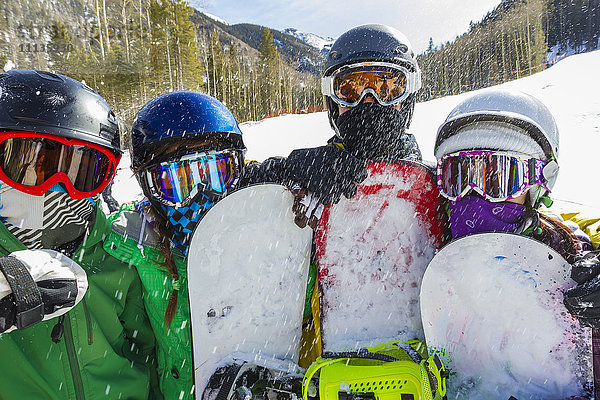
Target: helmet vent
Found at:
x=112, y=117
x=33, y=120
x=336, y=55
x=49, y=76
x=401, y=49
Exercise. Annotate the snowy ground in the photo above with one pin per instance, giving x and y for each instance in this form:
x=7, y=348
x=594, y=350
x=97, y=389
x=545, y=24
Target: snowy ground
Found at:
x=569, y=88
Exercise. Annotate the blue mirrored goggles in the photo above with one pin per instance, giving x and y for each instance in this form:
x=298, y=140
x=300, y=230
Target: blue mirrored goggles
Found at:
x=176, y=183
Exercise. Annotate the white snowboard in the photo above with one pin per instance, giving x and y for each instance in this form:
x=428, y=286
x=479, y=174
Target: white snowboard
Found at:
x=492, y=310
x=247, y=273
x=372, y=251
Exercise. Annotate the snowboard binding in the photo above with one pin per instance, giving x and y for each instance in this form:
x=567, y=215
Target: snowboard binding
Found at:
x=391, y=371
x=247, y=381
x=364, y=375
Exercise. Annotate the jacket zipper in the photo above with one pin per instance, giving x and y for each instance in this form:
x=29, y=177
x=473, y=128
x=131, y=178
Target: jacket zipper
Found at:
x=73, y=362
x=88, y=323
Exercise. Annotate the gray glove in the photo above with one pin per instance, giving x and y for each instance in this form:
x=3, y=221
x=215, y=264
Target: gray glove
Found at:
x=38, y=285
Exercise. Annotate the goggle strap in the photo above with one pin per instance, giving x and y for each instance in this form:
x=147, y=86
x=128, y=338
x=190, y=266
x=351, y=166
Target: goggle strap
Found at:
x=531, y=165
x=326, y=85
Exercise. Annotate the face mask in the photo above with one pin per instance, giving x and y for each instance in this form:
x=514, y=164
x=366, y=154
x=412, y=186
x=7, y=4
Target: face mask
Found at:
x=473, y=214
x=371, y=131
x=181, y=221
x=47, y=221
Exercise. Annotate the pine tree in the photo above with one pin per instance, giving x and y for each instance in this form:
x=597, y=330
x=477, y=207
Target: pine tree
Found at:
x=189, y=69
x=174, y=55
x=430, y=46
x=160, y=63
x=61, y=47
x=268, y=72
x=215, y=67
x=233, y=81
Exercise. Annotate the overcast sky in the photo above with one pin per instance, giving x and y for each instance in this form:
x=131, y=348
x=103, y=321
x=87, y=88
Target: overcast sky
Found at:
x=418, y=19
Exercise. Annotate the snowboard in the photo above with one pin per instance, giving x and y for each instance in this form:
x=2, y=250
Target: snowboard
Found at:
x=492, y=310
x=247, y=272
x=372, y=251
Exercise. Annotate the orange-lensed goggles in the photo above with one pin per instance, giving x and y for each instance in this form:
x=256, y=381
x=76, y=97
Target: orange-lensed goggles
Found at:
x=34, y=162
x=388, y=83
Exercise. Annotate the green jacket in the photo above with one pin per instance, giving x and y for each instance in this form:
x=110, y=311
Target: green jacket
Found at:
x=174, y=344
x=107, y=349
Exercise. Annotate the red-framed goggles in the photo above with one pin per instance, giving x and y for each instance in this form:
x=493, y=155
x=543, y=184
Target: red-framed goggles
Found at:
x=496, y=176
x=389, y=83
x=34, y=162
x=176, y=183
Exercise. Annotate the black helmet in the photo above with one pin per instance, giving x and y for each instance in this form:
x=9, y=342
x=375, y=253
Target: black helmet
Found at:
x=377, y=43
x=181, y=115
x=55, y=104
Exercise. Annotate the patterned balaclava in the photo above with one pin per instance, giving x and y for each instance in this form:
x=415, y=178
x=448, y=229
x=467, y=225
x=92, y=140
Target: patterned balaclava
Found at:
x=48, y=221
x=181, y=221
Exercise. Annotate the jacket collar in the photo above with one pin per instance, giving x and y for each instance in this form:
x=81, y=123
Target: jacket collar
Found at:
x=98, y=230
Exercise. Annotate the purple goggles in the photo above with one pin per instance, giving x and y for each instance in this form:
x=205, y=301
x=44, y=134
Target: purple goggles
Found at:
x=494, y=175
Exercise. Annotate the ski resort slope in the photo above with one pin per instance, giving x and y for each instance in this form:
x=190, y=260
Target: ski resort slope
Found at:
x=570, y=89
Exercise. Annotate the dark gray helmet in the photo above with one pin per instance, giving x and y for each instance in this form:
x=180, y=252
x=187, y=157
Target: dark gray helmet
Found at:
x=372, y=43
x=55, y=104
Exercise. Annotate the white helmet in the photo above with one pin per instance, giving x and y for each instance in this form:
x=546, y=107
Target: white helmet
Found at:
x=503, y=120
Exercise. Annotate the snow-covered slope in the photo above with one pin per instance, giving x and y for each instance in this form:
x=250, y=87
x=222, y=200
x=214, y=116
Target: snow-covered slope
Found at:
x=316, y=41
x=215, y=18
x=570, y=89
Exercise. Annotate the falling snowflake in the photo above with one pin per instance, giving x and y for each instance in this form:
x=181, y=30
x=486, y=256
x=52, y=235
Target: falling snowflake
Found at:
x=55, y=99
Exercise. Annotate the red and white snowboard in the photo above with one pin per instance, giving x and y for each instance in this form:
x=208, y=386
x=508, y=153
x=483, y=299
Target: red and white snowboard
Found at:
x=372, y=251
x=492, y=310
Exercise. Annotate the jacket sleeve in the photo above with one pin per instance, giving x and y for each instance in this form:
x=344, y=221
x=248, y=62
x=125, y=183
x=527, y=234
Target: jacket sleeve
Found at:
x=269, y=171
x=139, y=333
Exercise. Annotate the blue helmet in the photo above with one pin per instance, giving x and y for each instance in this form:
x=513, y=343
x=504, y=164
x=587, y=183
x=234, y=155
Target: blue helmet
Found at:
x=177, y=115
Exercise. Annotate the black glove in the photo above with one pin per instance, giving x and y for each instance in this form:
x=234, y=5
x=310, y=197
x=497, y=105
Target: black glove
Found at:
x=326, y=172
x=583, y=301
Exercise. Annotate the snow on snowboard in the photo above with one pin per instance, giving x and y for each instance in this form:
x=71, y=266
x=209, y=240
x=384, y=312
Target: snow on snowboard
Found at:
x=492, y=310
x=372, y=251
x=247, y=272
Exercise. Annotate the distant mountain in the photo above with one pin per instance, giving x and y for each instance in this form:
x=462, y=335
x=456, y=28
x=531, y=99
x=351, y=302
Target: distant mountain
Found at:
x=316, y=41
x=306, y=57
